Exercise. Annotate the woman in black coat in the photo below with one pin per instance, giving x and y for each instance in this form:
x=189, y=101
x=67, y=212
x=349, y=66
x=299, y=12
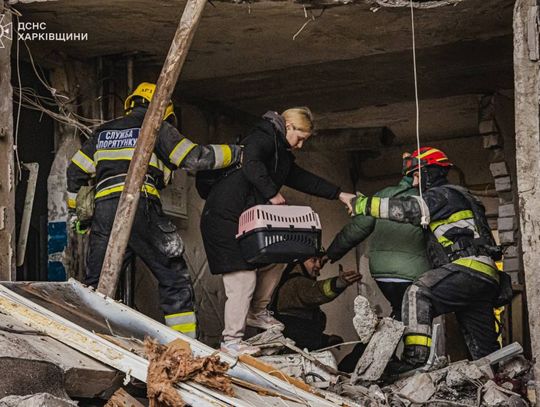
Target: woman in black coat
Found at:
x=268, y=164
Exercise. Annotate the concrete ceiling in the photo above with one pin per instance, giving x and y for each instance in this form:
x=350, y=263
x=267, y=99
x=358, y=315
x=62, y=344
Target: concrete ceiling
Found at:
x=346, y=61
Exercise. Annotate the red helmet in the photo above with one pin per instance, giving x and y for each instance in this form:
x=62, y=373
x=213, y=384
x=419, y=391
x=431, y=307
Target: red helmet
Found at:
x=424, y=157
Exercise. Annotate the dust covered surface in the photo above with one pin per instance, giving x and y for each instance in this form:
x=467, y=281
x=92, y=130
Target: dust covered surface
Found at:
x=174, y=363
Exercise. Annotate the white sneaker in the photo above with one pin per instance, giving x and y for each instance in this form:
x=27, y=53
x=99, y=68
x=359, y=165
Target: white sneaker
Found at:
x=264, y=320
x=236, y=348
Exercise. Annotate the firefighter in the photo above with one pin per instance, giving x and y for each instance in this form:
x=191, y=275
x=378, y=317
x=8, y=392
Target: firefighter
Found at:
x=464, y=278
x=297, y=302
x=105, y=157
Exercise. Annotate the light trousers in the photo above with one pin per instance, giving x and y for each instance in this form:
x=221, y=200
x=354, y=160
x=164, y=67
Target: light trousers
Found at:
x=248, y=291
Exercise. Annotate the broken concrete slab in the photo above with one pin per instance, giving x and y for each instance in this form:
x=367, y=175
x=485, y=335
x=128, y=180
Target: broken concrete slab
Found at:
x=418, y=388
x=81, y=375
x=365, y=320
x=36, y=400
x=463, y=373
x=514, y=367
x=380, y=349
x=493, y=397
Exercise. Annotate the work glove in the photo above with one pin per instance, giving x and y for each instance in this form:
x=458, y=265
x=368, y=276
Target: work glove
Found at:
x=359, y=204
x=76, y=225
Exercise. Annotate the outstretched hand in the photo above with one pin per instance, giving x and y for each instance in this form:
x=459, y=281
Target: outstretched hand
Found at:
x=346, y=198
x=349, y=276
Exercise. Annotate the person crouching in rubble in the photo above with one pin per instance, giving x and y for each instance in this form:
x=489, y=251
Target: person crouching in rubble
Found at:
x=298, y=299
x=397, y=252
x=268, y=164
x=465, y=279
x=106, y=157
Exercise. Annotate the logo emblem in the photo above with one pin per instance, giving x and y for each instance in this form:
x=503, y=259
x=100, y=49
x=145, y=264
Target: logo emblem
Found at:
x=5, y=31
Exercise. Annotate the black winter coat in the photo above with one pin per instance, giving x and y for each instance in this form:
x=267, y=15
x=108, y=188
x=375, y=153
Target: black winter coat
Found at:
x=267, y=166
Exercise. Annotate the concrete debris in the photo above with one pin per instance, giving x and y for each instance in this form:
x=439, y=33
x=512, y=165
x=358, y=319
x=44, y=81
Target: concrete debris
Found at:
x=36, y=400
x=514, y=367
x=419, y=388
x=463, y=373
x=365, y=320
x=173, y=363
x=380, y=349
x=297, y=366
x=270, y=341
x=493, y=397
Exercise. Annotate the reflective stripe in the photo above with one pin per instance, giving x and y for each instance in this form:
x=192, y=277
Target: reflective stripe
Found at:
x=71, y=200
x=417, y=340
x=463, y=224
x=327, y=288
x=149, y=189
x=478, y=266
x=461, y=215
x=180, y=151
x=428, y=152
x=444, y=241
x=375, y=207
x=167, y=175
x=184, y=322
x=383, y=210
x=84, y=162
x=125, y=154
x=222, y=154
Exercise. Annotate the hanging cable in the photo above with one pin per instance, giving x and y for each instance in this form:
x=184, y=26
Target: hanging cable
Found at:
x=18, y=119
x=424, y=220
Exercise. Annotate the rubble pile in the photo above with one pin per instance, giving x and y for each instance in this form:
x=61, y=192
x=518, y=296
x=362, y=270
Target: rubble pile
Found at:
x=173, y=363
x=462, y=383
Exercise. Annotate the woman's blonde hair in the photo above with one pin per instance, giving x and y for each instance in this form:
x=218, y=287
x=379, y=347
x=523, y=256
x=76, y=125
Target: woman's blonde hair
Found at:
x=300, y=117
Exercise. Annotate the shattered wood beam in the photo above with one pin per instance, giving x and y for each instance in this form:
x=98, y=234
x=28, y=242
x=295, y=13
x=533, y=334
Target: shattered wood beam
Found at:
x=350, y=139
x=527, y=81
x=7, y=166
x=127, y=205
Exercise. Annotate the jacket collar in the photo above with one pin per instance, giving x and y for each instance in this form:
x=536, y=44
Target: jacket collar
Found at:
x=279, y=126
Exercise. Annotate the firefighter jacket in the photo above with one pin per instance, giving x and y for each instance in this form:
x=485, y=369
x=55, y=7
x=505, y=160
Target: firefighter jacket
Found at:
x=458, y=230
x=107, y=154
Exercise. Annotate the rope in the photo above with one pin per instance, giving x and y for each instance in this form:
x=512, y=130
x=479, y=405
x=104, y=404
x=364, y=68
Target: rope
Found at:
x=423, y=220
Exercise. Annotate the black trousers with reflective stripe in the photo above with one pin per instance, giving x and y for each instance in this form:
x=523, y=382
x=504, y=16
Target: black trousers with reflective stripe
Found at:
x=155, y=240
x=453, y=289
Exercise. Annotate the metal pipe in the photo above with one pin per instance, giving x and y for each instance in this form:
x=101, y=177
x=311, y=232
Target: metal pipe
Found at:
x=129, y=199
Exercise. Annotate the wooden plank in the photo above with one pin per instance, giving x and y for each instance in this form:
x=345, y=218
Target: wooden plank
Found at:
x=122, y=398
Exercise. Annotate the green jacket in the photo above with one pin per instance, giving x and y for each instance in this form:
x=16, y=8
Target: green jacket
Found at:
x=396, y=250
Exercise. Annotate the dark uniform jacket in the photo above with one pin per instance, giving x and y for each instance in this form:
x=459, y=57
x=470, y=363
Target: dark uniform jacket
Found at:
x=268, y=164
x=451, y=219
x=396, y=250
x=106, y=156
x=297, y=303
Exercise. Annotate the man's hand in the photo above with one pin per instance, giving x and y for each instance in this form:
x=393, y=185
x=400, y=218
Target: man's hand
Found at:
x=349, y=277
x=346, y=198
x=359, y=204
x=278, y=199
x=76, y=225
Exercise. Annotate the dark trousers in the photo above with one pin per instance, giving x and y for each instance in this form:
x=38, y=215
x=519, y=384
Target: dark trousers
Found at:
x=155, y=240
x=467, y=293
x=306, y=333
x=394, y=293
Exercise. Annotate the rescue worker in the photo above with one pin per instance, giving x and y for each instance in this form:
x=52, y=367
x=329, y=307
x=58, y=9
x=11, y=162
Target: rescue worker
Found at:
x=397, y=252
x=298, y=299
x=464, y=278
x=105, y=157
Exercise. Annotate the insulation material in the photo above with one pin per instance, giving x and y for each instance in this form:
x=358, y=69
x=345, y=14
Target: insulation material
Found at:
x=173, y=363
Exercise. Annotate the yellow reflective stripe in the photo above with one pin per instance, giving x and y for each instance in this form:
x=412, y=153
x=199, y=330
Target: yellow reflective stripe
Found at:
x=222, y=155
x=84, y=162
x=444, y=241
x=417, y=340
x=184, y=328
x=461, y=215
x=125, y=154
x=478, y=266
x=166, y=175
x=327, y=288
x=375, y=207
x=71, y=203
x=180, y=151
x=431, y=150
x=180, y=314
x=108, y=191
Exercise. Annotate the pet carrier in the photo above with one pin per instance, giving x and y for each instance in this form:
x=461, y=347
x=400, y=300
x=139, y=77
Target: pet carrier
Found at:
x=279, y=233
